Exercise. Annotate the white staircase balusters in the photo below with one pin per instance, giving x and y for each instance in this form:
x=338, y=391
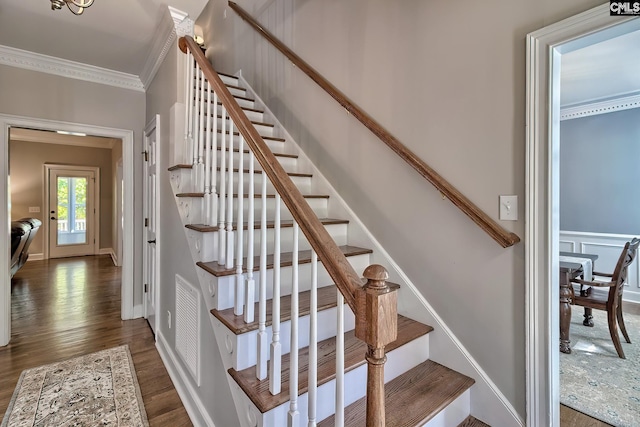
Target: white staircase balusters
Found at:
x=189, y=108
x=196, y=131
x=249, y=305
x=222, y=252
x=239, y=302
x=275, y=363
x=263, y=344
x=208, y=151
x=213, y=135
x=294, y=415
x=339, y=414
x=313, y=343
x=200, y=168
x=230, y=239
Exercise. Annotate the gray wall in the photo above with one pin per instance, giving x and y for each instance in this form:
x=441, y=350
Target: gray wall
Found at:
x=175, y=257
x=45, y=96
x=600, y=173
x=448, y=80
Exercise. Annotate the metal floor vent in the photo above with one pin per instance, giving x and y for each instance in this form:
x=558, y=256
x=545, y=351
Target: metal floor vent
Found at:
x=188, y=326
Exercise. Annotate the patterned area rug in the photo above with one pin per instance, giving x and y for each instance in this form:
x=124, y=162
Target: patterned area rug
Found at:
x=593, y=379
x=98, y=389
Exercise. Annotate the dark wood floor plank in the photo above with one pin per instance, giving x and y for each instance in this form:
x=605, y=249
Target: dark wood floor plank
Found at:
x=69, y=307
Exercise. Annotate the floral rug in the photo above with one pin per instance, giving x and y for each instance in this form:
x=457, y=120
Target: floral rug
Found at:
x=593, y=379
x=98, y=389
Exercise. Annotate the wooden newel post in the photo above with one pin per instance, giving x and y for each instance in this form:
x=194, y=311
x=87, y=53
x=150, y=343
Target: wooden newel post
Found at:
x=377, y=325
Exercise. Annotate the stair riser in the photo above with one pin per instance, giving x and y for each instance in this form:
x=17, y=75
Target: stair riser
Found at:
x=241, y=350
x=229, y=80
x=288, y=163
x=275, y=146
x=206, y=243
x=234, y=91
x=303, y=183
x=220, y=293
x=190, y=208
x=263, y=130
x=402, y=359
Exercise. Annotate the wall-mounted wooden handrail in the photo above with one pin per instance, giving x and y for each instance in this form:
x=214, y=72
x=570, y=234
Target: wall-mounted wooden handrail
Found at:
x=504, y=237
x=336, y=264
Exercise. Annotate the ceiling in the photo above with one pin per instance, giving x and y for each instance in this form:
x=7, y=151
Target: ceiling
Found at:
x=112, y=34
x=608, y=69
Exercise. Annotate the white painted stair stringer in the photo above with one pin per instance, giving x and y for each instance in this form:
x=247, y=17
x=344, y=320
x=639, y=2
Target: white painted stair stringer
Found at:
x=488, y=403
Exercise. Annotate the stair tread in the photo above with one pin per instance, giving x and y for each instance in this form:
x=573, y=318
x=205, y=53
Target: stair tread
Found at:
x=354, y=352
x=246, y=108
x=470, y=421
x=231, y=76
x=286, y=258
x=287, y=223
x=236, y=150
x=413, y=398
x=179, y=166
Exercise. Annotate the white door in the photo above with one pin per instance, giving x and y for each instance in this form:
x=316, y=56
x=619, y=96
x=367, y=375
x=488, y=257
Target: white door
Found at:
x=150, y=210
x=72, y=211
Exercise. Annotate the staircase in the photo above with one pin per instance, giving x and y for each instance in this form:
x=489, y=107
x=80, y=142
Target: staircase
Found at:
x=262, y=279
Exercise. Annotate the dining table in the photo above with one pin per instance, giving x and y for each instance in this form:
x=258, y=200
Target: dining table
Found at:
x=571, y=267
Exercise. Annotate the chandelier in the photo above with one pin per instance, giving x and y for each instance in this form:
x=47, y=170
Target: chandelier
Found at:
x=75, y=6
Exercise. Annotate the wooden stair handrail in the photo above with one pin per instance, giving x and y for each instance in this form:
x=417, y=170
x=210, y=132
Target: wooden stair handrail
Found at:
x=504, y=237
x=336, y=264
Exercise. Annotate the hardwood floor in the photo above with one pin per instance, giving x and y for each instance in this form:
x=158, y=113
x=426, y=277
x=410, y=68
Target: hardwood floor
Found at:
x=68, y=307
x=572, y=418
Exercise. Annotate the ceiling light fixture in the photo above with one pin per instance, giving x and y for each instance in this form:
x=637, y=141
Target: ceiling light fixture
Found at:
x=75, y=6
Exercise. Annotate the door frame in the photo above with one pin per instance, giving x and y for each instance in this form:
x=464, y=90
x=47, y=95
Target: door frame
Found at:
x=46, y=203
x=542, y=222
x=127, y=288
x=153, y=126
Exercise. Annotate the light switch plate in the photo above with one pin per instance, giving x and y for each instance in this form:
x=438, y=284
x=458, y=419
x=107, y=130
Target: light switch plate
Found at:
x=509, y=208
x=34, y=209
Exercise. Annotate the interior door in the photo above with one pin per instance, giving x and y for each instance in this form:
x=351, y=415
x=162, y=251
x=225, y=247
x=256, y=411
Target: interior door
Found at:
x=72, y=212
x=150, y=256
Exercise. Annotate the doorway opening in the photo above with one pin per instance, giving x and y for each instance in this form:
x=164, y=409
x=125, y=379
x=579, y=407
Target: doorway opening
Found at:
x=128, y=311
x=545, y=48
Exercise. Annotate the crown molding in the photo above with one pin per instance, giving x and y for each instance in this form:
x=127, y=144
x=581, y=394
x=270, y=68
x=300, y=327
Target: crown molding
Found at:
x=62, y=67
x=174, y=23
x=625, y=102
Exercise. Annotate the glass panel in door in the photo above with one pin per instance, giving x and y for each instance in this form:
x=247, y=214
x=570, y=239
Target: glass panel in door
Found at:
x=72, y=210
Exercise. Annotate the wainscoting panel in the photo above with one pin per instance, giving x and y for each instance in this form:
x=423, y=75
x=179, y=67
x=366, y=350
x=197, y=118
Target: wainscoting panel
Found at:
x=608, y=248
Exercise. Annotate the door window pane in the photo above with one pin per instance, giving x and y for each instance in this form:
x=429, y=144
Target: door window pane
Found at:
x=72, y=211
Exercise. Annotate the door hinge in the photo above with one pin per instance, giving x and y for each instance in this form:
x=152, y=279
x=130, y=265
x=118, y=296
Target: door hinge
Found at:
x=146, y=222
x=146, y=288
x=146, y=155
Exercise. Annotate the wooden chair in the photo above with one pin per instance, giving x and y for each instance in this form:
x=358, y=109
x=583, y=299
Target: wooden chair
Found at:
x=607, y=296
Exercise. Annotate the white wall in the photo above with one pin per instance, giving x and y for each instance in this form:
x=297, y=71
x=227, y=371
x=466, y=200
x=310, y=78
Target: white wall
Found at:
x=213, y=395
x=45, y=96
x=447, y=79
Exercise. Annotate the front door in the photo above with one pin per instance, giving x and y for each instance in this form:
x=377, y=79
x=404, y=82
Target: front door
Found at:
x=149, y=200
x=72, y=211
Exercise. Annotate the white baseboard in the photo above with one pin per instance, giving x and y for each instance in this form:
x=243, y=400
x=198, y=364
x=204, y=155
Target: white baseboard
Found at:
x=195, y=408
x=35, y=257
x=110, y=252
